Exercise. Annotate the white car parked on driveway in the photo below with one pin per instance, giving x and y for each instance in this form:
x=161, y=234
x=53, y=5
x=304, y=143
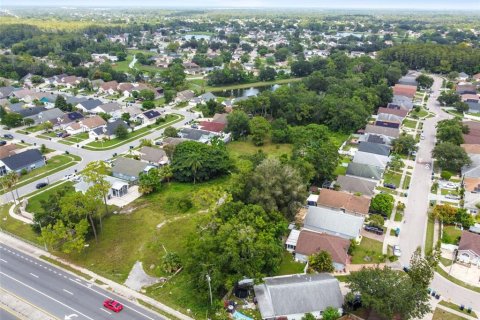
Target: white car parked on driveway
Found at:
x=396, y=251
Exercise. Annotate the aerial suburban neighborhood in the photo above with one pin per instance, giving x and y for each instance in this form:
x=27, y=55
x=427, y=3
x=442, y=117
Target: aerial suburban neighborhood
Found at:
x=258, y=160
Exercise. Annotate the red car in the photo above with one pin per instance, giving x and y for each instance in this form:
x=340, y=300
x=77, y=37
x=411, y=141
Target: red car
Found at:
x=113, y=305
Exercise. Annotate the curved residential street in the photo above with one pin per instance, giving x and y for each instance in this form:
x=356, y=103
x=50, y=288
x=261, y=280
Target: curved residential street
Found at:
x=86, y=155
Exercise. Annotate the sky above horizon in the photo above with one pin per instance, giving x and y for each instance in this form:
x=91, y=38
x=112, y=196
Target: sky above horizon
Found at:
x=345, y=4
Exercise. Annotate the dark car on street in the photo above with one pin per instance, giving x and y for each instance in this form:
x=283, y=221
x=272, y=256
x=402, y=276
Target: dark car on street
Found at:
x=41, y=185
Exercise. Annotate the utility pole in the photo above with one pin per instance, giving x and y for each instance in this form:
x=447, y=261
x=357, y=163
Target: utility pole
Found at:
x=210, y=288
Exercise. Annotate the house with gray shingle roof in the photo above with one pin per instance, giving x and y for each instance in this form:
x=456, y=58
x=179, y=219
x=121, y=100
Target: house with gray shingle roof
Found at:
x=333, y=222
x=356, y=185
x=364, y=171
x=292, y=296
x=128, y=169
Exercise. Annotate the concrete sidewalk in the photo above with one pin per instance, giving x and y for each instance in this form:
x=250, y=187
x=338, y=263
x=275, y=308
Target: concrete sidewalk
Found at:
x=115, y=287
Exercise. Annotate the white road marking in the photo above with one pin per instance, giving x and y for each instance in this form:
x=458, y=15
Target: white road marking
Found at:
x=34, y=275
x=68, y=291
x=38, y=291
x=105, y=296
x=3, y=260
x=105, y=311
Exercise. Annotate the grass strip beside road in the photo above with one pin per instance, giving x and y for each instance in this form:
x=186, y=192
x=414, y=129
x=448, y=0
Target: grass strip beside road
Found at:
x=429, y=236
x=66, y=267
x=456, y=307
x=113, y=143
x=444, y=274
x=441, y=314
x=149, y=306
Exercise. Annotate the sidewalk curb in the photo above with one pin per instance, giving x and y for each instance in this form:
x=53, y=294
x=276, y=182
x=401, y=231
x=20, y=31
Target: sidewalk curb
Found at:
x=114, y=287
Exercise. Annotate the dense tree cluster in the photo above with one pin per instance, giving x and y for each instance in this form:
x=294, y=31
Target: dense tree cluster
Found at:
x=195, y=161
x=435, y=57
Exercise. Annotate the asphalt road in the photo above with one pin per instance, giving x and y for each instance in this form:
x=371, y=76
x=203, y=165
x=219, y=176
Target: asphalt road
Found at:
x=60, y=293
x=86, y=155
x=416, y=212
x=414, y=227
x=5, y=315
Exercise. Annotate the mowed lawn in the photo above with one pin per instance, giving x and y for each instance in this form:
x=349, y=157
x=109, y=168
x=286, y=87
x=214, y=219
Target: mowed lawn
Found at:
x=246, y=147
x=368, y=251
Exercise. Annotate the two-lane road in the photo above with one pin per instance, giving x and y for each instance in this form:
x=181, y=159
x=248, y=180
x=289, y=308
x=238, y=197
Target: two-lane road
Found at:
x=60, y=293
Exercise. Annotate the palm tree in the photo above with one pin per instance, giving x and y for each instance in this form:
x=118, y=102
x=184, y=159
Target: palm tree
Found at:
x=9, y=181
x=195, y=163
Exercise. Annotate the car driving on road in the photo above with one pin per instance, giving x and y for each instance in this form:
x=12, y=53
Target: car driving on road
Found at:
x=113, y=305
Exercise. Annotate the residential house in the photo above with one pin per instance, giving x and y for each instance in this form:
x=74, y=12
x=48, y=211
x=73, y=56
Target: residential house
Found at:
x=27, y=160
x=47, y=115
x=409, y=79
x=110, y=108
x=391, y=132
x=85, y=125
x=364, y=171
x=184, y=96
x=196, y=135
x=310, y=242
x=375, y=138
x=191, y=68
x=371, y=159
x=88, y=105
x=473, y=106
x=6, y=92
x=469, y=248
x=472, y=170
x=109, y=87
x=128, y=169
x=356, y=185
x=343, y=201
x=398, y=112
x=388, y=120
x=8, y=150
x=148, y=117
x=108, y=131
x=153, y=156
x=27, y=112
x=376, y=148
x=204, y=98
x=67, y=118
x=126, y=88
x=333, y=222
x=405, y=90
x=462, y=76
x=472, y=194
x=473, y=136
x=291, y=297
x=173, y=141
x=466, y=88
x=118, y=187
x=74, y=100
x=470, y=97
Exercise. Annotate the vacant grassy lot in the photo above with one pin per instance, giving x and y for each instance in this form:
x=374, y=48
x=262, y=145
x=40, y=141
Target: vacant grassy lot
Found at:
x=246, y=147
x=451, y=234
x=369, y=251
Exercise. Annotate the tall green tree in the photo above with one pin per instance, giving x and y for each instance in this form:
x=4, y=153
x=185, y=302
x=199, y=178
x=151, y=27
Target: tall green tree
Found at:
x=9, y=182
x=321, y=262
x=94, y=174
x=450, y=156
x=383, y=204
x=149, y=182
x=259, y=129
x=238, y=124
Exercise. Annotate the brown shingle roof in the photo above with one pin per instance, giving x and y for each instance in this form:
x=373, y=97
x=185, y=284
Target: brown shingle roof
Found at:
x=472, y=184
x=7, y=150
x=93, y=122
x=471, y=148
x=404, y=90
x=398, y=112
x=470, y=241
x=342, y=200
x=310, y=242
x=473, y=137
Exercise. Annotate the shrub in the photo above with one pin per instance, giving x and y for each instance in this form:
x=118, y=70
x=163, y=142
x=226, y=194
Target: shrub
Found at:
x=446, y=175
